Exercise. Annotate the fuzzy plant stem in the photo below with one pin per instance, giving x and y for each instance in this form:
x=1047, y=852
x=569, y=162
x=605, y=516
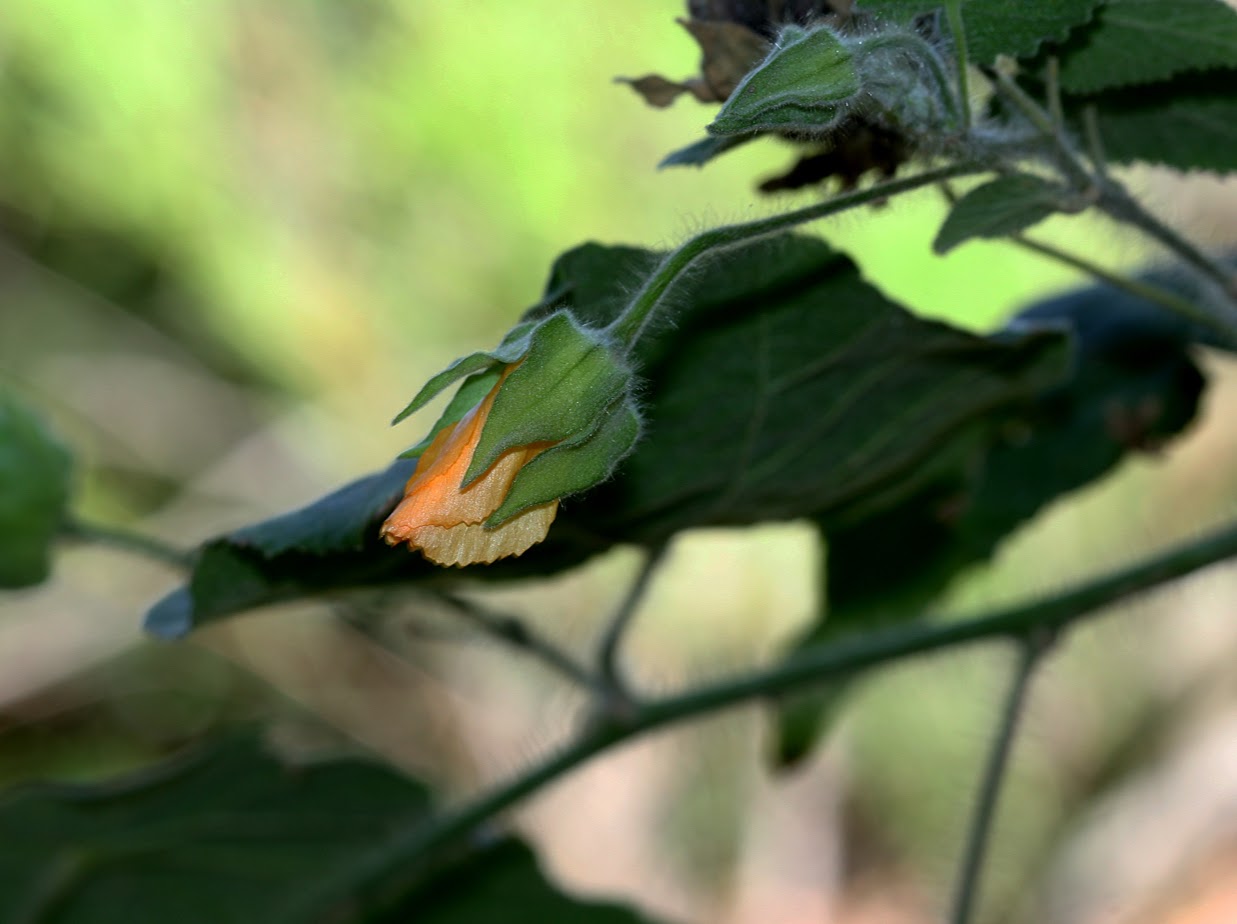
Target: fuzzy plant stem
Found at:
x=1114, y=200
x=634, y=320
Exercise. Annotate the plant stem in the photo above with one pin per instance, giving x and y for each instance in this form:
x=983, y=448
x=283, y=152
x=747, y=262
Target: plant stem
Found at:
x=608, y=660
x=1052, y=81
x=1115, y=201
x=1095, y=141
x=628, y=327
x=515, y=632
x=1066, y=157
x=373, y=869
x=983, y=818
x=1135, y=287
x=953, y=11
x=127, y=541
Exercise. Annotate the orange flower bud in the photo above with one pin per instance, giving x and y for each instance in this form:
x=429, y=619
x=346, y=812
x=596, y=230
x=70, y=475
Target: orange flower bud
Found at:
x=445, y=520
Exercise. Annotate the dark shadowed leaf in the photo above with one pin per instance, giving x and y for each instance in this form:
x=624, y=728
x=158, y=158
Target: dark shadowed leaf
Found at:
x=1136, y=388
x=1145, y=41
x=822, y=397
x=330, y=544
x=230, y=835
x=822, y=393
x=1189, y=123
x=34, y=489
x=701, y=152
x=995, y=27
x=1004, y=206
x=235, y=835
x=503, y=884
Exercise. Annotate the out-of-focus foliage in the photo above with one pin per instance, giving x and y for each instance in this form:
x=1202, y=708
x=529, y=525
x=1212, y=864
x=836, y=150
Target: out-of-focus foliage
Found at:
x=34, y=491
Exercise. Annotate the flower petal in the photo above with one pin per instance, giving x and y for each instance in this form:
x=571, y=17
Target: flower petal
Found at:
x=472, y=543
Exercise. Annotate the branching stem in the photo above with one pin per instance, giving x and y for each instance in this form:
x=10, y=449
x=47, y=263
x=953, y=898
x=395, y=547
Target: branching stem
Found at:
x=612, y=640
x=373, y=871
x=1152, y=293
x=515, y=632
x=1114, y=200
x=983, y=818
x=127, y=541
x=643, y=306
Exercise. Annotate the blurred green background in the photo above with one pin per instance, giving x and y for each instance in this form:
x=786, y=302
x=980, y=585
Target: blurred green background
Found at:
x=236, y=236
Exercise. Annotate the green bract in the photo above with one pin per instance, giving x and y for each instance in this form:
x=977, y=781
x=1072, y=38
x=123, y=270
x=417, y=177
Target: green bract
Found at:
x=565, y=385
x=803, y=86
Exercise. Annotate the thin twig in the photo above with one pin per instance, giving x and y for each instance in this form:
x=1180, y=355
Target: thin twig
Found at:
x=515, y=632
x=1052, y=81
x=642, y=307
x=372, y=872
x=1152, y=293
x=128, y=541
x=953, y=12
x=1114, y=200
x=612, y=640
x=1095, y=140
x=1031, y=648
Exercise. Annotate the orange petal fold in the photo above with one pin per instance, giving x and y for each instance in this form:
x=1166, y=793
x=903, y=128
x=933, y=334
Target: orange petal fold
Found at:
x=445, y=522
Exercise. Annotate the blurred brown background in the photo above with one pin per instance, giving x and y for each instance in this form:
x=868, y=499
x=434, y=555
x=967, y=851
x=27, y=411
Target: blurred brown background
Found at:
x=236, y=237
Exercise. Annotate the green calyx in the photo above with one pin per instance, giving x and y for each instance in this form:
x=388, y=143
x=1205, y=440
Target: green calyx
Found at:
x=803, y=86
x=572, y=467
x=558, y=393
x=513, y=346
x=565, y=385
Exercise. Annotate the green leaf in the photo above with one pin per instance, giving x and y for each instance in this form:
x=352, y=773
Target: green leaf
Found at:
x=801, y=86
x=503, y=883
x=998, y=208
x=701, y=152
x=820, y=391
x=236, y=835
x=34, y=491
x=820, y=394
x=231, y=835
x=995, y=27
x=330, y=544
x=1136, y=388
x=513, y=346
x=1145, y=41
x=471, y=393
x=1189, y=123
x=571, y=468
x=558, y=392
